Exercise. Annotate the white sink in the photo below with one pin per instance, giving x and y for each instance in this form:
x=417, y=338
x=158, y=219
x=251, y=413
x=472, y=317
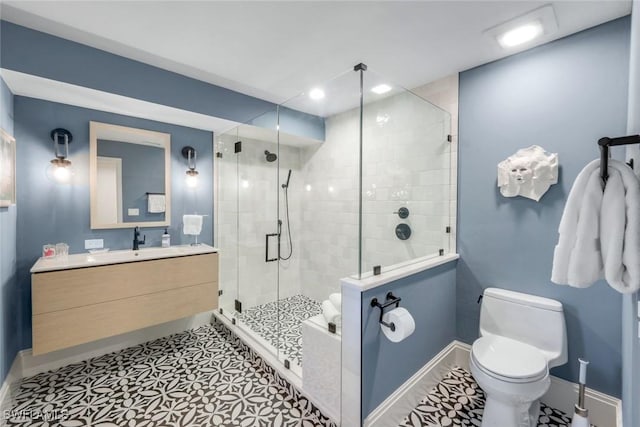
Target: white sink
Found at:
x=117, y=257
x=131, y=255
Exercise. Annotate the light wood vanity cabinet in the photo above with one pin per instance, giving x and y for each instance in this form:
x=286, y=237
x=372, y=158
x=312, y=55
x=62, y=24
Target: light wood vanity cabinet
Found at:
x=79, y=305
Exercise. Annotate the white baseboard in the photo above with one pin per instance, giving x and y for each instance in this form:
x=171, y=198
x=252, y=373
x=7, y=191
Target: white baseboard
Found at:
x=604, y=410
x=397, y=406
x=7, y=391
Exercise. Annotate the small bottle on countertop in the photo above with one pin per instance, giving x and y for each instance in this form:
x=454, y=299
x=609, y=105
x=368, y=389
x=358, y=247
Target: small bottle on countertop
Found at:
x=166, y=239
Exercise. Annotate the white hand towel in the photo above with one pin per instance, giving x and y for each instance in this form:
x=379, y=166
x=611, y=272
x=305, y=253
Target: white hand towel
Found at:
x=192, y=224
x=156, y=203
x=336, y=300
x=620, y=228
x=585, y=261
x=331, y=315
x=569, y=225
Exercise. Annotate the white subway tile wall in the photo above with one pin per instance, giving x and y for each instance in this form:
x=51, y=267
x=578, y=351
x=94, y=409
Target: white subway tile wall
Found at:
x=411, y=155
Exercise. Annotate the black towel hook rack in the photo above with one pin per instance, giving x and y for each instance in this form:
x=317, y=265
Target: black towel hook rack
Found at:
x=390, y=300
x=607, y=142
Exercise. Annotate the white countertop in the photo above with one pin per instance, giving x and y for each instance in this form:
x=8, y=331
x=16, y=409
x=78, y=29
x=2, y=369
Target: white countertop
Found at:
x=117, y=257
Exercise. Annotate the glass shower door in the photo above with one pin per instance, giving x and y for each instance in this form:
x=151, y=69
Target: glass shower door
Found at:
x=227, y=220
x=257, y=301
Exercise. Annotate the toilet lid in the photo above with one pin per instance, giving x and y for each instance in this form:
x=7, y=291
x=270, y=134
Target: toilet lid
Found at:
x=509, y=358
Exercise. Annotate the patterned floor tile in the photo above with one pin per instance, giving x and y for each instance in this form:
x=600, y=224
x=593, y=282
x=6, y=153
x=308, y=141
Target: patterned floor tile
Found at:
x=458, y=401
x=279, y=323
x=201, y=377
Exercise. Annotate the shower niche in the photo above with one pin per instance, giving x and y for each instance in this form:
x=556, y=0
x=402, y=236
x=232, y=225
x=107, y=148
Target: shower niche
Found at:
x=311, y=192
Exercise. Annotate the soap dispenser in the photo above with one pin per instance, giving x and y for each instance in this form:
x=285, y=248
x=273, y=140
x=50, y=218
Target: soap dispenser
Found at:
x=166, y=239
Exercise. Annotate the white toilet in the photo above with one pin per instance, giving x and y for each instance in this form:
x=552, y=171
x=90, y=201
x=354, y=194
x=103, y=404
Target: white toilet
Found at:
x=521, y=337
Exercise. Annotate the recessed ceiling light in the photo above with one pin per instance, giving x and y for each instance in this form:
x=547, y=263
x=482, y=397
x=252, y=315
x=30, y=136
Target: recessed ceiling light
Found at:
x=316, y=94
x=520, y=34
x=380, y=89
x=540, y=24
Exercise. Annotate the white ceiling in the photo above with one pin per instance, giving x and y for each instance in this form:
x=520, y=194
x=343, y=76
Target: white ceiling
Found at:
x=275, y=50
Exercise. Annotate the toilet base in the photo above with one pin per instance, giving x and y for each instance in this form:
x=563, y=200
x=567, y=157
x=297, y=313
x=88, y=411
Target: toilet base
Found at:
x=509, y=404
x=501, y=414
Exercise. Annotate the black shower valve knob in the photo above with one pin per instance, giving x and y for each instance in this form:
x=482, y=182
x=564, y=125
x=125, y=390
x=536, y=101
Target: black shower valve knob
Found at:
x=402, y=212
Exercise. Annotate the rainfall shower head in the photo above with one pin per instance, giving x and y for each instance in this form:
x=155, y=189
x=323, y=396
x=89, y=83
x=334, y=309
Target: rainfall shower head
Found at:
x=271, y=157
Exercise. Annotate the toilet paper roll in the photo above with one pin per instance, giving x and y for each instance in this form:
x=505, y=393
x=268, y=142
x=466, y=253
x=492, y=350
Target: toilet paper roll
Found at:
x=405, y=325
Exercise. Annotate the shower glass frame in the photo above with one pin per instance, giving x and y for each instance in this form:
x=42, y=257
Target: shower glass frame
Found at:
x=406, y=178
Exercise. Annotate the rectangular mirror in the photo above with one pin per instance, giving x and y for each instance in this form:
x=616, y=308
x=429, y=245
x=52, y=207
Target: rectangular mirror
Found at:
x=130, y=177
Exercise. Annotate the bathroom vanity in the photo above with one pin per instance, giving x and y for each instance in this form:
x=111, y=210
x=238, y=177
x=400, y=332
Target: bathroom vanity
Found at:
x=86, y=297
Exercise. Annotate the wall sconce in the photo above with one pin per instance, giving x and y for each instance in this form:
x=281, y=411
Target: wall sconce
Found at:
x=190, y=154
x=60, y=169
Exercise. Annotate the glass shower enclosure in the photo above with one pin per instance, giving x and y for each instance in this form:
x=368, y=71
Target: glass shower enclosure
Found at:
x=351, y=178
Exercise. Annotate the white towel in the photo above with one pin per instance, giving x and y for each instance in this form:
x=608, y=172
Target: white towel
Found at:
x=585, y=262
x=585, y=193
x=192, y=224
x=156, y=203
x=331, y=314
x=336, y=300
x=620, y=228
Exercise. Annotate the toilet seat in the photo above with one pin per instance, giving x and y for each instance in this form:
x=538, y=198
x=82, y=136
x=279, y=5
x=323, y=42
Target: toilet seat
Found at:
x=509, y=360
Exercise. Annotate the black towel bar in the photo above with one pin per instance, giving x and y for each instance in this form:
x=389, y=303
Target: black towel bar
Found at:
x=607, y=142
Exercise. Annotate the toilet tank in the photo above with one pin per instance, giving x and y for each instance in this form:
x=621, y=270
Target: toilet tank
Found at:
x=530, y=319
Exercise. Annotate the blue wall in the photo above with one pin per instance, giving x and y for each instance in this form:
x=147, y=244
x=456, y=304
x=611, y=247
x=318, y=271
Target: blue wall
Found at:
x=9, y=331
x=430, y=297
x=52, y=212
x=39, y=54
x=563, y=96
x=142, y=173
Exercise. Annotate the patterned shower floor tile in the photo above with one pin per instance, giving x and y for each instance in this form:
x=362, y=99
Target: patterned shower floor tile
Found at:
x=201, y=377
x=458, y=401
x=279, y=323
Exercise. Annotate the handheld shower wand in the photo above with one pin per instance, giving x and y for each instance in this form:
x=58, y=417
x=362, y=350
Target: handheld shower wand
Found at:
x=581, y=415
x=286, y=184
x=285, y=187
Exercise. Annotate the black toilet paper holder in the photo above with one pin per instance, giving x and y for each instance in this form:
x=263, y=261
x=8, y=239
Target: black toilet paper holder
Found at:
x=390, y=300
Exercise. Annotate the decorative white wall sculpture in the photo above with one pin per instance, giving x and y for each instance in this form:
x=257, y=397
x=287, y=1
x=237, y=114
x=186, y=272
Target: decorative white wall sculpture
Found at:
x=528, y=173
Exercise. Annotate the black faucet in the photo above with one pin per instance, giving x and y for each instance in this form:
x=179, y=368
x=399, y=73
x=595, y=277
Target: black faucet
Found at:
x=136, y=237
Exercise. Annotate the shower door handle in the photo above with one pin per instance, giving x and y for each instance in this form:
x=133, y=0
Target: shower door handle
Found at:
x=266, y=249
